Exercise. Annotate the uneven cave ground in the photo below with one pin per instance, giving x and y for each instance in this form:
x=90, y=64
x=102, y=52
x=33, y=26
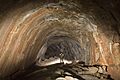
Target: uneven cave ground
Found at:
x=60, y=61
x=61, y=71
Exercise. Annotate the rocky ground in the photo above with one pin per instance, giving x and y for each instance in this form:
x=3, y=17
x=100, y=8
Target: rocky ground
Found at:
x=61, y=71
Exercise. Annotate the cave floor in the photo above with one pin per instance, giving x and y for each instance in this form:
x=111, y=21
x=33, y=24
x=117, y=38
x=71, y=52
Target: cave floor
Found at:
x=61, y=71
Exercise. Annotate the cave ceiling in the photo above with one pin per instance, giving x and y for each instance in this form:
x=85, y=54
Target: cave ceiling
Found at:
x=85, y=30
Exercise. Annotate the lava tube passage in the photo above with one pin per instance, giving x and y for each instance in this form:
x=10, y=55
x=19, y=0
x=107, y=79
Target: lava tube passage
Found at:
x=59, y=40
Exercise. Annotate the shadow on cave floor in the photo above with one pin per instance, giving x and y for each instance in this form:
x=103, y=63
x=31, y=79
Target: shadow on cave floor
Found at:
x=61, y=71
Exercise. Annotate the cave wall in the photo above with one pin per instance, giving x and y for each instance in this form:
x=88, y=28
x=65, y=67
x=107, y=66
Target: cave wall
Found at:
x=25, y=26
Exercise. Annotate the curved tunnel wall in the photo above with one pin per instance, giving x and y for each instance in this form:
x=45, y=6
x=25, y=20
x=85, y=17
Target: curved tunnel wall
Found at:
x=25, y=29
x=63, y=44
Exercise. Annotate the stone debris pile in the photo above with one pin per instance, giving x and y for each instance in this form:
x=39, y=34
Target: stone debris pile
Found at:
x=61, y=71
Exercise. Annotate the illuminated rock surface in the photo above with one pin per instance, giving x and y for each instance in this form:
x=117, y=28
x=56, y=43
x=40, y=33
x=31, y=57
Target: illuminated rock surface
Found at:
x=85, y=30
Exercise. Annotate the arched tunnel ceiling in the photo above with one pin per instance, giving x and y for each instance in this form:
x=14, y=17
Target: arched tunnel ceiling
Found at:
x=26, y=26
x=61, y=44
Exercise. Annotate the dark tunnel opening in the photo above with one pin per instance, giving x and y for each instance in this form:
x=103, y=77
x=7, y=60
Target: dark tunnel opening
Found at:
x=57, y=45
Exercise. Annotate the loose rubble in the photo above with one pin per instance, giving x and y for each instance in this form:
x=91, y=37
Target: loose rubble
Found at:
x=61, y=71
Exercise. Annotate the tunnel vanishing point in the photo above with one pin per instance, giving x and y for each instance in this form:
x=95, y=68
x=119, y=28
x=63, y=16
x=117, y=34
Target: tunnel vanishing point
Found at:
x=85, y=30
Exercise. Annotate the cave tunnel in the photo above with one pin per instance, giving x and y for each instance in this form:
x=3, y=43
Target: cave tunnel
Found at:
x=37, y=32
x=61, y=44
x=65, y=46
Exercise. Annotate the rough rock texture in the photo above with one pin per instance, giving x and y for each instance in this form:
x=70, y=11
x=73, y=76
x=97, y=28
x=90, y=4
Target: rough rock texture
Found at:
x=27, y=27
x=61, y=71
